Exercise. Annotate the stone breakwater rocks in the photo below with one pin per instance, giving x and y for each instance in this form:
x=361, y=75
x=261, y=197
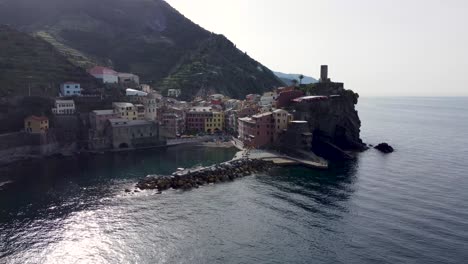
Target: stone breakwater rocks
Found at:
x=224, y=172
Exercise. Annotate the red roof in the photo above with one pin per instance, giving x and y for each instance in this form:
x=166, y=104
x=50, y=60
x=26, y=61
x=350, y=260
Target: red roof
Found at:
x=38, y=118
x=102, y=70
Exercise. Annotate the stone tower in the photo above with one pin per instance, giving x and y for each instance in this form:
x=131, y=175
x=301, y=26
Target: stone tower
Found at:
x=324, y=74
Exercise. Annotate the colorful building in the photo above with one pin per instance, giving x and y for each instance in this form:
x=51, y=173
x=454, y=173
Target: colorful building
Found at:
x=214, y=123
x=196, y=118
x=173, y=124
x=125, y=110
x=104, y=74
x=70, y=89
x=263, y=129
x=285, y=97
x=151, y=107
x=36, y=124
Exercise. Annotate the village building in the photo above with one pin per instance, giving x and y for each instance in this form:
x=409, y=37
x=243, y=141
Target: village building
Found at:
x=151, y=107
x=263, y=129
x=214, y=123
x=133, y=92
x=282, y=119
x=173, y=124
x=174, y=93
x=196, y=118
x=286, y=97
x=106, y=75
x=36, y=124
x=253, y=98
x=126, y=78
x=267, y=100
x=297, y=137
x=64, y=107
x=141, y=112
x=98, y=119
x=124, y=134
x=125, y=110
x=70, y=89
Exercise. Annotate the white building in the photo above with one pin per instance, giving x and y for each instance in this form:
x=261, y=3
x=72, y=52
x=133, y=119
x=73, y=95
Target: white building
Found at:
x=266, y=101
x=151, y=107
x=64, y=107
x=128, y=78
x=70, y=89
x=133, y=92
x=106, y=75
x=174, y=92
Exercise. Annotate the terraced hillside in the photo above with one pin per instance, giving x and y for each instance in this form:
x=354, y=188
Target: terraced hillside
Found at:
x=30, y=65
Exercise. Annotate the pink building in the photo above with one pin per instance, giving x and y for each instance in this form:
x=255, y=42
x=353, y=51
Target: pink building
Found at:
x=106, y=75
x=257, y=131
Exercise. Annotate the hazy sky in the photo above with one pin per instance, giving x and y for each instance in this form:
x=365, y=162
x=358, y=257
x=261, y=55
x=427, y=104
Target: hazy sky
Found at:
x=376, y=47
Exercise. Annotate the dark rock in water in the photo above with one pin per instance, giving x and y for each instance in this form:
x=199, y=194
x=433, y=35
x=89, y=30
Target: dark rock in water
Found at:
x=384, y=147
x=127, y=190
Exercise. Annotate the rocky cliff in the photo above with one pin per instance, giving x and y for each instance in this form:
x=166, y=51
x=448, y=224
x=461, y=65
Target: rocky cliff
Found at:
x=333, y=120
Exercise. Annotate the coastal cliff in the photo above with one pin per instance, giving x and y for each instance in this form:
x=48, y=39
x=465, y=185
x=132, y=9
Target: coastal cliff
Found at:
x=333, y=119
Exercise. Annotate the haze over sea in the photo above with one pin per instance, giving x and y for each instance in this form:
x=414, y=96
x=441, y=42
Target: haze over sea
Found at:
x=407, y=207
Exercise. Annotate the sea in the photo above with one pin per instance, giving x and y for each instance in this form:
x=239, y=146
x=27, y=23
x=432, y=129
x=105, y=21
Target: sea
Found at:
x=410, y=206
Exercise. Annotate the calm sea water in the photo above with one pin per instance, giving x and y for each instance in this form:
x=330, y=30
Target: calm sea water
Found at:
x=407, y=207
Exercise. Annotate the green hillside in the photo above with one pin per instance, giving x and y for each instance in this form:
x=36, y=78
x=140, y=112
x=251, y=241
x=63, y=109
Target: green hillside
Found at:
x=146, y=37
x=29, y=63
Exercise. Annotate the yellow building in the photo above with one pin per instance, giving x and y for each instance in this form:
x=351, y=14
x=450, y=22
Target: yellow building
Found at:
x=36, y=124
x=215, y=122
x=125, y=111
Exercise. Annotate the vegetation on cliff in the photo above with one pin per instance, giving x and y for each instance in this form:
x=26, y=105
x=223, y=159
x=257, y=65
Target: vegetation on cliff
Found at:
x=146, y=37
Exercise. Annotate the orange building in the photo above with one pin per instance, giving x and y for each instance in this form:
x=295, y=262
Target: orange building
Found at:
x=36, y=124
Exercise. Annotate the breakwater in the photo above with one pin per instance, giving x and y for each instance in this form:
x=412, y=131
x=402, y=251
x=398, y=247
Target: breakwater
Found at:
x=189, y=179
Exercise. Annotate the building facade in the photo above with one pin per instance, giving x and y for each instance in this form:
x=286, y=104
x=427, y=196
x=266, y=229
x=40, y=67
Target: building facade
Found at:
x=64, y=107
x=257, y=131
x=98, y=119
x=124, y=134
x=36, y=124
x=70, y=89
x=125, y=110
x=215, y=122
x=151, y=107
x=196, y=119
x=173, y=124
x=104, y=74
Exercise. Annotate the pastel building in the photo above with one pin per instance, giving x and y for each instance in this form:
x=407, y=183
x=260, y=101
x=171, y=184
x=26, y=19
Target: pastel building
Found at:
x=36, y=124
x=64, y=107
x=263, y=129
x=215, y=122
x=70, y=89
x=173, y=124
x=257, y=131
x=125, y=110
x=196, y=118
x=106, y=75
